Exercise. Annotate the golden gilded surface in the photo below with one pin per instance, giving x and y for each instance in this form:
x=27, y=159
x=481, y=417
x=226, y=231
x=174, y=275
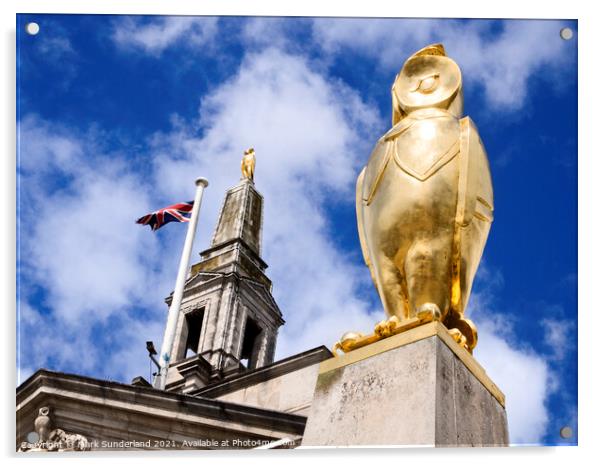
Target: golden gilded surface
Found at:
x=424, y=204
x=247, y=165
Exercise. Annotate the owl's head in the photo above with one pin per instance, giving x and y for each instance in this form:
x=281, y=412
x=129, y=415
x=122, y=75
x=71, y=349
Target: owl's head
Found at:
x=429, y=78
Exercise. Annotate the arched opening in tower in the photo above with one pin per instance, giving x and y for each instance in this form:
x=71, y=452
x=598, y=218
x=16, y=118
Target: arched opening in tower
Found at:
x=248, y=353
x=194, y=325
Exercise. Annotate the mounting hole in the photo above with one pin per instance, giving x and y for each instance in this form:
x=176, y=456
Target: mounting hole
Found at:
x=566, y=33
x=32, y=28
x=566, y=432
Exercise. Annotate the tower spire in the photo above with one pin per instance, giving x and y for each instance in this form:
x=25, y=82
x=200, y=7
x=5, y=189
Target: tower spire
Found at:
x=240, y=218
x=229, y=320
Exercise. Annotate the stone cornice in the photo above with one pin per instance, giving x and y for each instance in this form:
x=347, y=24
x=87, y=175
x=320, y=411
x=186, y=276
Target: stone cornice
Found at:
x=168, y=405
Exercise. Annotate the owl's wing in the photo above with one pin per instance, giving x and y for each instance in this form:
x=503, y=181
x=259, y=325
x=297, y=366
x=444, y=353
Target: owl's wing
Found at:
x=374, y=169
x=475, y=208
x=367, y=183
x=380, y=157
x=478, y=185
x=359, y=211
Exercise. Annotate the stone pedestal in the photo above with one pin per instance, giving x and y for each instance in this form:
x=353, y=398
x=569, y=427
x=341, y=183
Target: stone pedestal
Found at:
x=416, y=388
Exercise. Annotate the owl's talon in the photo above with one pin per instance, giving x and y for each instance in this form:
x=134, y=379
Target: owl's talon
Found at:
x=466, y=327
x=459, y=337
x=347, y=342
x=385, y=328
x=455, y=334
x=380, y=329
x=429, y=312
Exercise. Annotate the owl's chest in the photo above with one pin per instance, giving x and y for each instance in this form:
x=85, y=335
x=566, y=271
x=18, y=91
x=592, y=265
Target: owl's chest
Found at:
x=427, y=146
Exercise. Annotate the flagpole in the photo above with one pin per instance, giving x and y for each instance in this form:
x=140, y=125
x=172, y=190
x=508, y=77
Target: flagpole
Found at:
x=174, y=309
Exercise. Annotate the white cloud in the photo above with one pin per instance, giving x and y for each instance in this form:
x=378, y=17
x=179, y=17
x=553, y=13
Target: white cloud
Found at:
x=158, y=34
x=56, y=48
x=44, y=148
x=83, y=245
x=526, y=377
x=94, y=262
x=265, y=32
x=559, y=336
x=92, y=230
x=131, y=356
x=501, y=63
x=523, y=376
x=305, y=132
x=79, y=243
x=501, y=60
x=44, y=337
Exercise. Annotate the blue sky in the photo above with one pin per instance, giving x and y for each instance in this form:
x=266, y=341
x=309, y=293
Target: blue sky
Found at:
x=117, y=115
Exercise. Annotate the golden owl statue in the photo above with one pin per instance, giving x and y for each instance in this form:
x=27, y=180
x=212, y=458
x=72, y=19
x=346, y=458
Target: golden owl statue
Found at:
x=425, y=200
x=247, y=165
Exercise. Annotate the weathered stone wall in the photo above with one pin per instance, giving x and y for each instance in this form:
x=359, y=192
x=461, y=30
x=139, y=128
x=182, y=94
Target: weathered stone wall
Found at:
x=417, y=394
x=292, y=392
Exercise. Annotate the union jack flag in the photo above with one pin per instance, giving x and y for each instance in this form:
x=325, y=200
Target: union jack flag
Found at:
x=174, y=213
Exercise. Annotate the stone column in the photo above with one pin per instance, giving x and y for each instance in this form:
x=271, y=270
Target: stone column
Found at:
x=260, y=349
x=415, y=388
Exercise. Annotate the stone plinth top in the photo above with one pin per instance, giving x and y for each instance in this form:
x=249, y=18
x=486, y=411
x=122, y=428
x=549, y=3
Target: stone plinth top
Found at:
x=418, y=387
x=411, y=336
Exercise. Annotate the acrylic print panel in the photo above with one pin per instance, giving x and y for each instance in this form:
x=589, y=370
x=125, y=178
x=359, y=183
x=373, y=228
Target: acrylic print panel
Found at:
x=118, y=115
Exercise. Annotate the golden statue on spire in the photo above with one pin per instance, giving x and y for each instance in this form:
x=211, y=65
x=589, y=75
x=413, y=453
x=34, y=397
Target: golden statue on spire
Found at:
x=425, y=204
x=247, y=166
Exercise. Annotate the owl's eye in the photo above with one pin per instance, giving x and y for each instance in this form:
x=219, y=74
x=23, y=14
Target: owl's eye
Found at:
x=428, y=84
